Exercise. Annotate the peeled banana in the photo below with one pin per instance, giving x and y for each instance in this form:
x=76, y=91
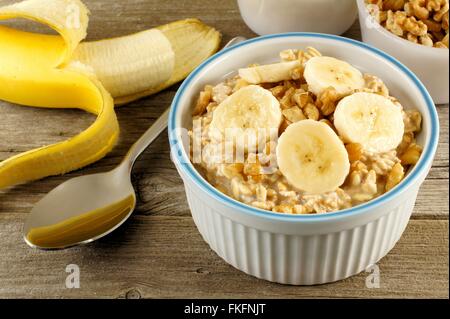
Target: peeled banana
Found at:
x=149, y=53
x=57, y=71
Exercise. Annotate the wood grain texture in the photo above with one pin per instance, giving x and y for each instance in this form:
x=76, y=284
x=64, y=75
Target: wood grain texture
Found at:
x=164, y=256
x=158, y=252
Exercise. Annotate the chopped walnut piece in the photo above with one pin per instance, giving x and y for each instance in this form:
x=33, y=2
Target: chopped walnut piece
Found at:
x=327, y=100
x=203, y=101
x=395, y=21
x=286, y=100
x=354, y=151
x=294, y=114
x=408, y=138
x=302, y=98
x=278, y=91
x=252, y=168
x=311, y=112
x=411, y=37
x=417, y=8
x=426, y=40
x=394, y=177
x=432, y=26
x=416, y=27
x=412, y=120
x=287, y=209
x=411, y=155
x=302, y=209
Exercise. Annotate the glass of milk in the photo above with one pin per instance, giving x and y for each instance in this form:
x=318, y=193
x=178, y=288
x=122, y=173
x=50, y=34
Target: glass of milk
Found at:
x=278, y=16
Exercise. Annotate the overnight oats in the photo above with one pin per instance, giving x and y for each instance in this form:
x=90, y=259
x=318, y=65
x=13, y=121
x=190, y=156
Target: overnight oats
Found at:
x=310, y=134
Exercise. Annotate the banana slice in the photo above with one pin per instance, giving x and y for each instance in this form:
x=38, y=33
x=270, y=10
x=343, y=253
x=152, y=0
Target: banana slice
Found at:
x=248, y=117
x=371, y=120
x=323, y=72
x=269, y=73
x=312, y=157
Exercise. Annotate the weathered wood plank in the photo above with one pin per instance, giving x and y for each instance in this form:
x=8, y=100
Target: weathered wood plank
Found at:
x=160, y=191
x=159, y=253
x=161, y=256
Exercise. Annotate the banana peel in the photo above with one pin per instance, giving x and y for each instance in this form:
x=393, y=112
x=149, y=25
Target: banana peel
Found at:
x=60, y=71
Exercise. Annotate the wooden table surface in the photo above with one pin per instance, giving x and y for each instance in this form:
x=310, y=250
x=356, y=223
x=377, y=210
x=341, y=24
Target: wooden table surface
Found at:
x=158, y=252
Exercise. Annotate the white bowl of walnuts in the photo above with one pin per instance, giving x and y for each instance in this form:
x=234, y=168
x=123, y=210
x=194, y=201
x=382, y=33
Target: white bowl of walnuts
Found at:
x=416, y=33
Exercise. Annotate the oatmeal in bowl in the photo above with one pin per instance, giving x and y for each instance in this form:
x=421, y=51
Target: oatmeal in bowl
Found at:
x=309, y=134
x=302, y=169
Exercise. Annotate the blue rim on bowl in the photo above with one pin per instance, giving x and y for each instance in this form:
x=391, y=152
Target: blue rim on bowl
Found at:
x=424, y=162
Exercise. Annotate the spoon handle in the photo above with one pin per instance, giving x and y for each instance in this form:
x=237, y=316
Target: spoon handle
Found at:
x=145, y=140
x=159, y=126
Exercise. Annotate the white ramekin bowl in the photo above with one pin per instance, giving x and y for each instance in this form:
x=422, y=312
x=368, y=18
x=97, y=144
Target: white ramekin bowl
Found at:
x=301, y=249
x=431, y=65
x=277, y=16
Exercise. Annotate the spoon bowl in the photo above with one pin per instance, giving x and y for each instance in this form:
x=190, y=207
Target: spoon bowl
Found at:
x=81, y=210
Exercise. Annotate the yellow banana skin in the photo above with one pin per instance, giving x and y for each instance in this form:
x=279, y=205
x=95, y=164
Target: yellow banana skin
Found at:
x=31, y=73
x=44, y=71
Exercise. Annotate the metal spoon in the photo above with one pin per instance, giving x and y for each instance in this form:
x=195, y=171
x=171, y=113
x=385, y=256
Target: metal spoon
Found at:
x=87, y=208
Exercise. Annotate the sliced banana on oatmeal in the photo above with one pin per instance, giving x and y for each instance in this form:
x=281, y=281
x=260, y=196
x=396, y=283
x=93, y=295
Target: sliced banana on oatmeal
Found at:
x=248, y=118
x=323, y=72
x=371, y=120
x=312, y=157
x=269, y=73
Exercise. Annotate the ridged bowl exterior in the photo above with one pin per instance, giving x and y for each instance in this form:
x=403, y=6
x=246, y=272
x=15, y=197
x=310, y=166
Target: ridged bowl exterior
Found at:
x=297, y=259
